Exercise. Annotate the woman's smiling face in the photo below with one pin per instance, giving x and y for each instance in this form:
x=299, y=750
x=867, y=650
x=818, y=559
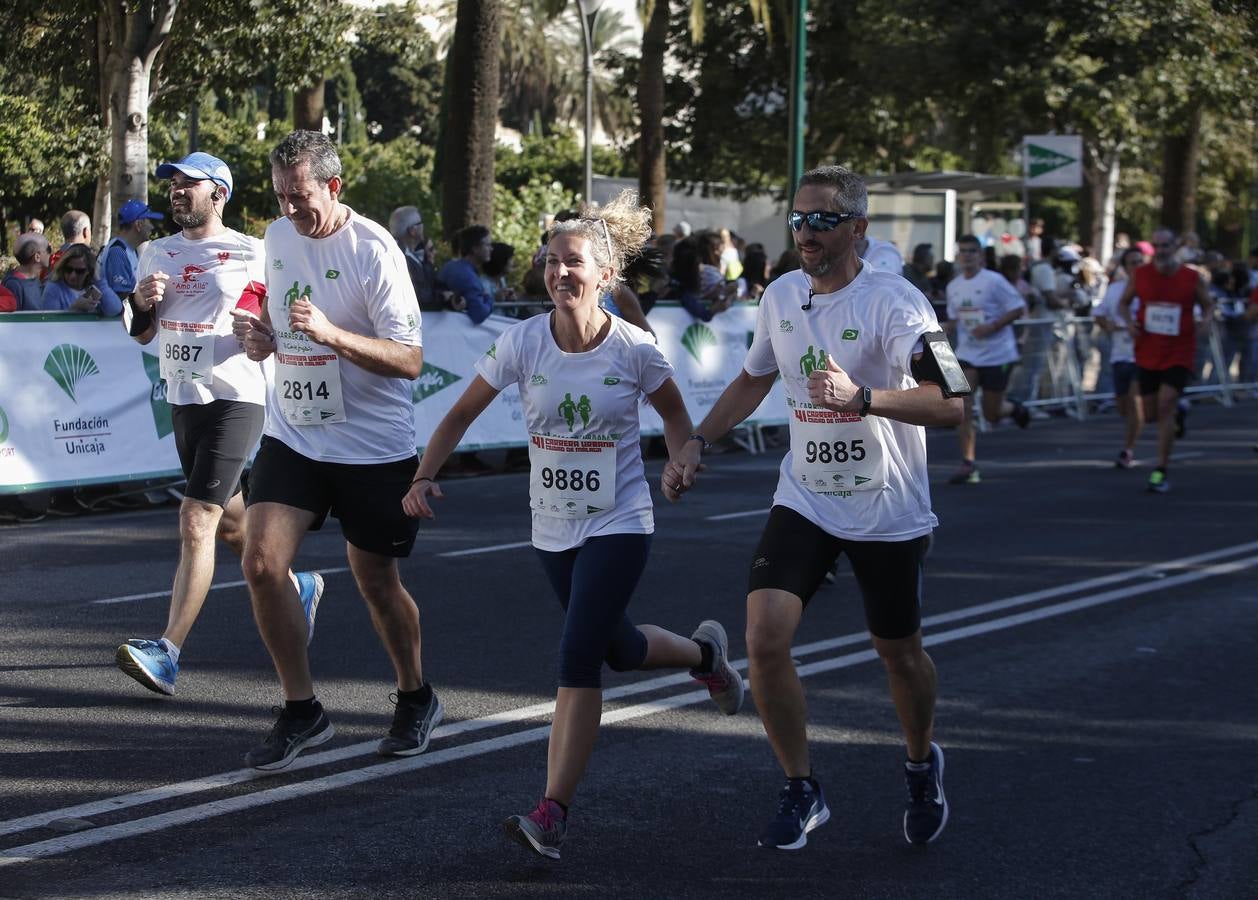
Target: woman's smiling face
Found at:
x=573, y=278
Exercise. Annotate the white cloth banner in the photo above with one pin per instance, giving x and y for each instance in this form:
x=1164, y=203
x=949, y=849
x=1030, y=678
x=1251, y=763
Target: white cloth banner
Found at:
x=82, y=403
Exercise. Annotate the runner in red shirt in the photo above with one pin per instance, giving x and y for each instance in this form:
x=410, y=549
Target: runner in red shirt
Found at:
x=1166, y=338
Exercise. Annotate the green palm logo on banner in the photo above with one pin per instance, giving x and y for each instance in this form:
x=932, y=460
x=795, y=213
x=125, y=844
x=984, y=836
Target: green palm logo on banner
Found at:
x=431, y=380
x=4, y=426
x=157, y=396
x=696, y=339
x=68, y=365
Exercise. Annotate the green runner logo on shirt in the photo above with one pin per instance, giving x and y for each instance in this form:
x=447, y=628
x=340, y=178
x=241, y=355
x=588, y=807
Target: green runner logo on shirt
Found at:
x=812, y=361
x=431, y=380
x=697, y=338
x=157, y=396
x=570, y=410
x=68, y=365
x=294, y=293
x=850, y=334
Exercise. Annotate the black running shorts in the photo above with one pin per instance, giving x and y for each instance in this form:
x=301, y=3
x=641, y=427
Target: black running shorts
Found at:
x=794, y=556
x=993, y=379
x=367, y=498
x=214, y=441
x=1175, y=377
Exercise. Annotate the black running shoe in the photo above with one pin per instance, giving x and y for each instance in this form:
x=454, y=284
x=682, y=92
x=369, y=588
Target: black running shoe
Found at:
x=1020, y=415
x=927, y=812
x=801, y=808
x=289, y=737
x=412, y=727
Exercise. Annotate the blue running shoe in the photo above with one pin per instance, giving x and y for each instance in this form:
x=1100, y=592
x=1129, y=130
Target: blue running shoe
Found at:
x=801, y=808
x=309, y=592
x=148, y=663
x=927, y=810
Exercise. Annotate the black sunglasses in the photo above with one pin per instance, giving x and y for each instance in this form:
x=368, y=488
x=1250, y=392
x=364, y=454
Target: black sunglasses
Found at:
x=74, y=270
x=820, y=220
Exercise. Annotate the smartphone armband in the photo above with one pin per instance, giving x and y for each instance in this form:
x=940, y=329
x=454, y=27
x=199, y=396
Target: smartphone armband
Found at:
x=938, y=365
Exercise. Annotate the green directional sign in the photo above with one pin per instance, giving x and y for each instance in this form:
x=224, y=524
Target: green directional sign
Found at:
x=1053, y=160
x=1042, y=160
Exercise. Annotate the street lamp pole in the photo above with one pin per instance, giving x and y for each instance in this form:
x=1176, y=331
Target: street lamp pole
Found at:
x=588, y=10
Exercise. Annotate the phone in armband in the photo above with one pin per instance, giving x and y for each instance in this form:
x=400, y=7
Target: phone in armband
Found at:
x=939, y=365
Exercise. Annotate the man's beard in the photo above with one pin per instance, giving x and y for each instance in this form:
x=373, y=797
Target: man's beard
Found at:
x=821, y=267
x=192, y=217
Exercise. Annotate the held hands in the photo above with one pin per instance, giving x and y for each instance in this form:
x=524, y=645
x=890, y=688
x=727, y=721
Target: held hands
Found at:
x=415, y=503
x=832, y=388
x=150, y=291
x=679, y=474
x=254, y=335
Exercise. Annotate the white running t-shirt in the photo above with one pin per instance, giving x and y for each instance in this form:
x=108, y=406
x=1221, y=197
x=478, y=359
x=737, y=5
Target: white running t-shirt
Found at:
x=1121, y=346
x=198, y=357
x=321, y=406
x=859, y=479
x=986, y=297
x=581, y=411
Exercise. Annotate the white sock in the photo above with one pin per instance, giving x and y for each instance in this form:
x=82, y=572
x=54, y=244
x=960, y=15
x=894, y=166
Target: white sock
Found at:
x=171, y=650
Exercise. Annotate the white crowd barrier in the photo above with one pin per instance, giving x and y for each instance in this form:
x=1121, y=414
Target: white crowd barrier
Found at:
x=82, y=403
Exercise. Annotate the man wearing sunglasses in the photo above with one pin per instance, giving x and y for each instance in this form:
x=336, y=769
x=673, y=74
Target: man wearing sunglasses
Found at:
x=855, y=348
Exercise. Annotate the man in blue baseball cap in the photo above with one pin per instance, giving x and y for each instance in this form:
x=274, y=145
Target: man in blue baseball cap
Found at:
x=201, y=167
x=135, y=224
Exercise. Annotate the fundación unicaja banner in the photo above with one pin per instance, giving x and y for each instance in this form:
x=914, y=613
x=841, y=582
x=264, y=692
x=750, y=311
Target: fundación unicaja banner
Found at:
x=80, y=403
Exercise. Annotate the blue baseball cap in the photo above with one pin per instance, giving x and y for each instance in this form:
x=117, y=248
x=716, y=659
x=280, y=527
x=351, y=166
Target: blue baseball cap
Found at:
x=200, y=166
x=136, y=209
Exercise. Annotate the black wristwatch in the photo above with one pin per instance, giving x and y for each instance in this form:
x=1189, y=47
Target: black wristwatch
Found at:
x=867, y=397
x=701, y=439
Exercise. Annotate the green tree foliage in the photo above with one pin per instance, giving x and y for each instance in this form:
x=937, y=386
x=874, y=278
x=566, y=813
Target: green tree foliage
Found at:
x=399, y=75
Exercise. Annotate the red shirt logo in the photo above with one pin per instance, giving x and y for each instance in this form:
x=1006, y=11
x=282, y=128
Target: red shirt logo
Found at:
x=189, y=273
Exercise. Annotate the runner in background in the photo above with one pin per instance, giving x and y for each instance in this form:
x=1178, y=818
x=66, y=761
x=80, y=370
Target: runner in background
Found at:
x=187, y=285
x=1123, y=355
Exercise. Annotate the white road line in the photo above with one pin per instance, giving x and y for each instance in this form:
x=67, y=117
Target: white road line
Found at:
x=737, y=515
x=327, y=757
x=214, y=587
x=493, y=548
x=199, y=813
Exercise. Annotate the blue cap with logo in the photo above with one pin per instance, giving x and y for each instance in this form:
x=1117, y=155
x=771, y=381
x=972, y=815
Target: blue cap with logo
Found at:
x=200, y=166
x=136, y=209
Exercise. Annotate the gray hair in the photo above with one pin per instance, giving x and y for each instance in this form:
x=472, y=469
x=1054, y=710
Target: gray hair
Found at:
x=311, y=147
x=850, y=194
x=73, y=223
x=403, y=219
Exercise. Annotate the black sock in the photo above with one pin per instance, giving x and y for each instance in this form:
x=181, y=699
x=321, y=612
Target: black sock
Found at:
x=562, y=806
x=302, y=709
x=806, y=783
x=421, y=696
x=705, y=664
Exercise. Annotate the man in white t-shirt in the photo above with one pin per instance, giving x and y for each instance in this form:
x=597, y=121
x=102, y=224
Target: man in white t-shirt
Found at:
x=343, y=324
x=184, y=288
x=982, y=307
x=862, y=379
x=1122, y=354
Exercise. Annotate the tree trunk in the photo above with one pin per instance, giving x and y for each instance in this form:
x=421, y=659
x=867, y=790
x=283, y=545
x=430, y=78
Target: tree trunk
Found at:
x=129, y=37
x=652, y=174
x=308, y=107
x=468, y=138
x=1179, y=172
x=1101, y=183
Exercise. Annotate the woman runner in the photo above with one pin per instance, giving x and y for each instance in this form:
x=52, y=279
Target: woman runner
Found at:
x=581, y=373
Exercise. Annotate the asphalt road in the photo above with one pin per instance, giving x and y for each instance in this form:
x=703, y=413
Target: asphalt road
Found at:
x=1097, y=649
